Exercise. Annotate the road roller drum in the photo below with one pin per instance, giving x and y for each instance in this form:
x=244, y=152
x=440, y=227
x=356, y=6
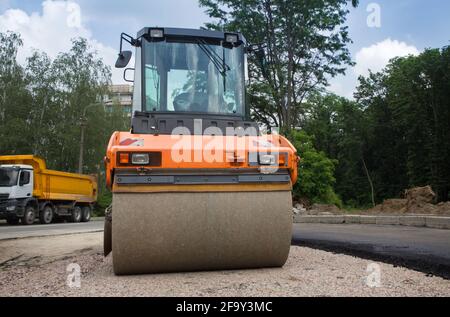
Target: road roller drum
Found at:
x=173, y=232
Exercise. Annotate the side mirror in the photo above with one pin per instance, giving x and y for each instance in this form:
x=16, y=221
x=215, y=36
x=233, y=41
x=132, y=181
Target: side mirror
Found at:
x=262, y=60
x=259, y=52
x=123, y=59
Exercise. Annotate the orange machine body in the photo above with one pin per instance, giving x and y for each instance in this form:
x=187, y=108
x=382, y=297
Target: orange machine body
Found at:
x=201, y=154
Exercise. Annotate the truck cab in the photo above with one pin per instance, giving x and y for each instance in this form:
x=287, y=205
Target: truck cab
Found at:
x=16, y=181
x=16, y=186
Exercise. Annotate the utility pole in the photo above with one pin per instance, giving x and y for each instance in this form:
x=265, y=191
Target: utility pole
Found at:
x=83, y=125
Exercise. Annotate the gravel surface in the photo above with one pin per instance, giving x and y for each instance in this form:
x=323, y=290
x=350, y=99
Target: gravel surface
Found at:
x=38, y=267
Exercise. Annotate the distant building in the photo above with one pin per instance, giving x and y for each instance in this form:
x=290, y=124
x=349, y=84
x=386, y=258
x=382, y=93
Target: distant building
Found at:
x=122, y=94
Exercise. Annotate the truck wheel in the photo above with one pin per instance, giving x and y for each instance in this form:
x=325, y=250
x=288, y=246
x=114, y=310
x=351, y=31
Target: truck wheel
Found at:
x=12, y=220
x=29, y=216
x=76, y=214
x=86, y=216
x=46, y=215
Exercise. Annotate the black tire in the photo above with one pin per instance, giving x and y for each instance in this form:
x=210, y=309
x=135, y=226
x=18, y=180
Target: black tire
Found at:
x=29, y=216
x=46, y=215
x=76, y=214
x=107, y=237
x=12, y=221
x=86, y=214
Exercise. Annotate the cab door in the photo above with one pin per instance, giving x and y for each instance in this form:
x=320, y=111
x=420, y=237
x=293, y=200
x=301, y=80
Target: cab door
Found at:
x=25, y=184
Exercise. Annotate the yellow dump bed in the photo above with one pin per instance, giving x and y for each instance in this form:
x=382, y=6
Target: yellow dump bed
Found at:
x=55, y=185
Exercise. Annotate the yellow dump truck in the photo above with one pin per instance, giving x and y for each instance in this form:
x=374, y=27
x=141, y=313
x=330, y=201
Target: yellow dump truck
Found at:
x=29, y=191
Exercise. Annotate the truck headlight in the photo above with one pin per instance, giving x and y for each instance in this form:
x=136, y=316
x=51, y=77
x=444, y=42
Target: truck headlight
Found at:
x=10, y=208
x=267, y=159
x=140, y=159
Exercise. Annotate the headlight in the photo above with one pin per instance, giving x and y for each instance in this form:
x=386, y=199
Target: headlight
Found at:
x=156, y=33
x=267, y=159
x=10, y=208
x=231, y=38
x=140, y=159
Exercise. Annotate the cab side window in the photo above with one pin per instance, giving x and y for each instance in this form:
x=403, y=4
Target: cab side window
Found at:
x=24, y=178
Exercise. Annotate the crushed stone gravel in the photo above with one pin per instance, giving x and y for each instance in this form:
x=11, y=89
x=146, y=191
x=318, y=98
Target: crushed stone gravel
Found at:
x=308, y=272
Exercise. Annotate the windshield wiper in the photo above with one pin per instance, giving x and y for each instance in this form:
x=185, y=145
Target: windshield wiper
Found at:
x=219, y=62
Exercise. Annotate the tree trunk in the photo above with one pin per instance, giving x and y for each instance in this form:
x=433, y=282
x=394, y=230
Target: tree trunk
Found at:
x=369, y=179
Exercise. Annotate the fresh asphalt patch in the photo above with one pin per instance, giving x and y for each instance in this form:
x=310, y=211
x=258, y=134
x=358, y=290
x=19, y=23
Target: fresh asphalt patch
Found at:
x=421, y=249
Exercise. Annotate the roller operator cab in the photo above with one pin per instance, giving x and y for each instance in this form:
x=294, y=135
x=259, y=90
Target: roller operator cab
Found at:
x=190, y=73
x=195, y=185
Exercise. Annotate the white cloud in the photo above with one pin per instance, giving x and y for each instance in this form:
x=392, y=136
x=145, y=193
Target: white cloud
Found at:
x=53, y=30
x=377, y=56
x=374, y=57
x=343, y=86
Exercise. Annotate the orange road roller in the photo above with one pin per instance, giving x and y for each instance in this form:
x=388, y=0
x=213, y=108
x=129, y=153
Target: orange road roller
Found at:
x=196, y=186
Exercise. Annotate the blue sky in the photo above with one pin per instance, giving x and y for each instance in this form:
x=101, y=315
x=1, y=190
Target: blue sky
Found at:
x=423, y=23
x=407, y=27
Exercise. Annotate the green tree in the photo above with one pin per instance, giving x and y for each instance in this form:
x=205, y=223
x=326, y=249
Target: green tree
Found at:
x=82, y=80
x=15, y=99
x=42, y=105
x=305, y=45
x=339, y=128
x=316, y=171
x=408, y=109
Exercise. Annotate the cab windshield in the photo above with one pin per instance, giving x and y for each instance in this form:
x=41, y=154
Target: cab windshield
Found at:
x=193, y=77
x=8, y=177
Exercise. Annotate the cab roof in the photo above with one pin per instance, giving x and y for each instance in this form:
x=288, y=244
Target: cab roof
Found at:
x=21, y=166
x=191, y=33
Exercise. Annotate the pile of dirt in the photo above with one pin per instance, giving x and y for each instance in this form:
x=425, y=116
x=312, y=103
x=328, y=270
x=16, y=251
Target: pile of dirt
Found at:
x=391, y=206
x=420, y=195
x=422, y=208
x=444, y=208
x=419, y=200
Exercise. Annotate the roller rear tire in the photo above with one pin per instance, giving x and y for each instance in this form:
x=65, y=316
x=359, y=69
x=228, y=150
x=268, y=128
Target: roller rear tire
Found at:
x=107, y=237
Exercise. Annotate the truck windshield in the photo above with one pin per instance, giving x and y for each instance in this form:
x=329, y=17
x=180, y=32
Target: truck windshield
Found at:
x=8, y=177
x=193, y=77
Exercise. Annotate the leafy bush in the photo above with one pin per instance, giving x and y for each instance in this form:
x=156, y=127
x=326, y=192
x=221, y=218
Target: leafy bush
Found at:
x=103, y=201
x=316, y=172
